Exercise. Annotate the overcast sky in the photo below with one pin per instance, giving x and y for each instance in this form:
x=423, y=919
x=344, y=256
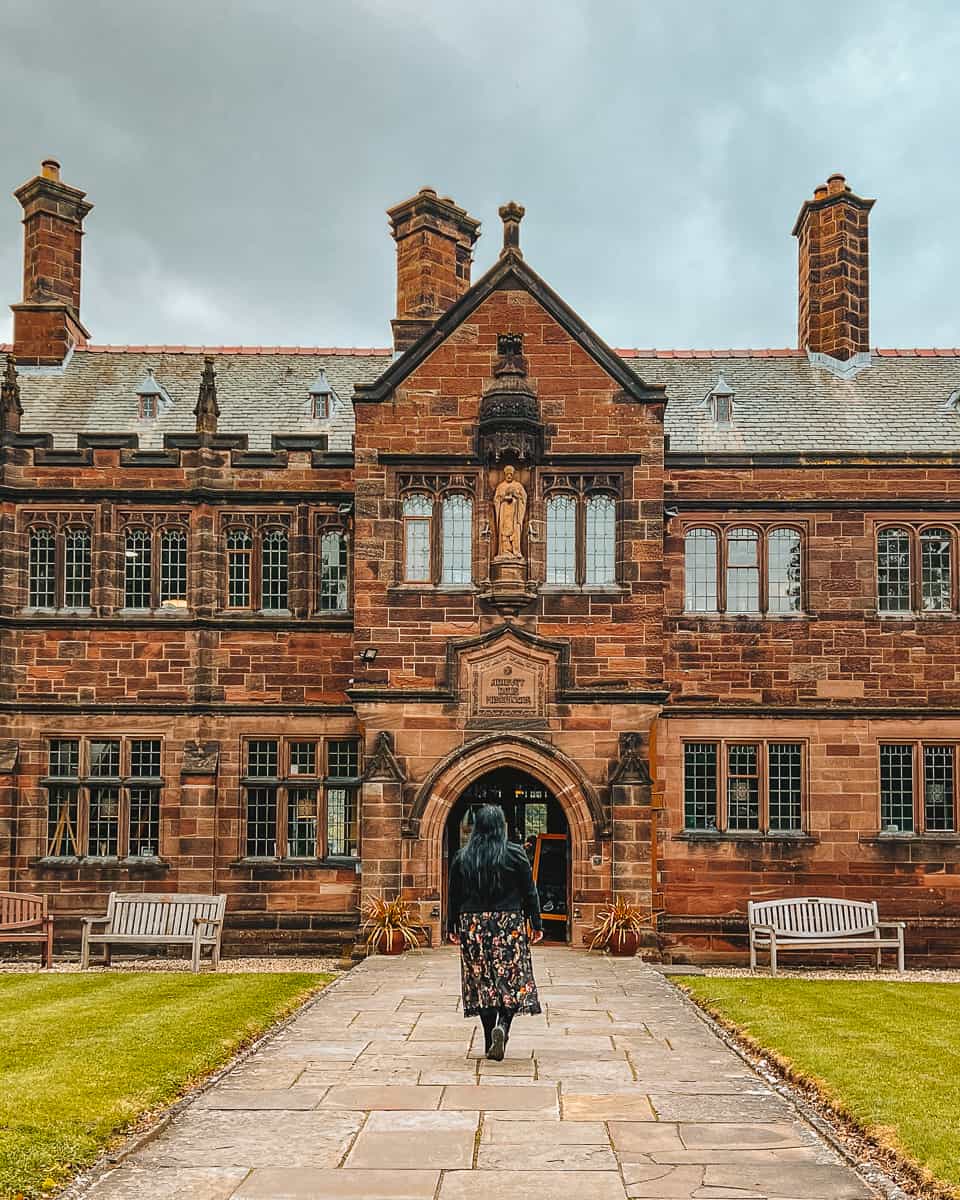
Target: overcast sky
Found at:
x=241, y=156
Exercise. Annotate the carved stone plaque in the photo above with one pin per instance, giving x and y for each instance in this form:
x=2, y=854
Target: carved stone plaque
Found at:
x=507, y=685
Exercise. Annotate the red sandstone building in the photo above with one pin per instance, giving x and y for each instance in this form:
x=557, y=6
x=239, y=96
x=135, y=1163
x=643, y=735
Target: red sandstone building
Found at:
x=272, y=620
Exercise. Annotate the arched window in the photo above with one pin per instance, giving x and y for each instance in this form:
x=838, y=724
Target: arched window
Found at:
x=334, y=588
x=600, y=542
x=138, y=568
x=562, y=539
x=456, y=519
x=274, y=574
x=43, y=568
x=76, y=568
x=173, y=566
x=417, y=538
x=783, y=571
x=893, y=570
x=743, y=570
x=936, y=577
x=700, y=570
x=239, y=563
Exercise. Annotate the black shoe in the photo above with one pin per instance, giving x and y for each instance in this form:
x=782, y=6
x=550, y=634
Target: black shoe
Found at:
x=498, y=1043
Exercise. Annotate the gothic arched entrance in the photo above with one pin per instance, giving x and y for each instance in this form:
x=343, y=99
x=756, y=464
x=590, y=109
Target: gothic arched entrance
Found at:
x=535, y=819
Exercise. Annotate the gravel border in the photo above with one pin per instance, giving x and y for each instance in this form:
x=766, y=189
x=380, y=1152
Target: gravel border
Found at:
x=228, y=966
x=914, y=975
x=881, y=1167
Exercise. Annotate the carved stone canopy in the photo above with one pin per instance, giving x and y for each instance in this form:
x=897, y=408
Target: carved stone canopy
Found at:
x=509, y=426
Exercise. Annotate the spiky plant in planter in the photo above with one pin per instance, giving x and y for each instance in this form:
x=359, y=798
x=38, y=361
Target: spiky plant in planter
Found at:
x=619, y=928
x=388, y=926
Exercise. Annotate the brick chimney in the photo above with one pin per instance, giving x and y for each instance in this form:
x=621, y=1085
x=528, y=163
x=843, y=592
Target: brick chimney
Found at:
x=46, y=323
x=834, y=304
x=434, y=242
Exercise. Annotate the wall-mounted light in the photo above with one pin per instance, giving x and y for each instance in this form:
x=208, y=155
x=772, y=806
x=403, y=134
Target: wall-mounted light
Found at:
x=368, y=655
x=345, y=508
x=671, y=512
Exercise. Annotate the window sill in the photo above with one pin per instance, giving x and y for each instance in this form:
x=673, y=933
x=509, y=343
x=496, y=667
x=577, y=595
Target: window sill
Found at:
x=331, y=863
x=757, y=616
x=585, y=589
x=942, y=838
x=459, y=589
x=84, y=611
x=915, y=616
x=152, y=864
x=751, y=836
x=162, y=611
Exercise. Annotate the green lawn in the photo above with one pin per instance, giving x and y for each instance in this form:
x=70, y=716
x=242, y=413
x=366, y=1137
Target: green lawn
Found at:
x=83, y=1056
x=888, y=1054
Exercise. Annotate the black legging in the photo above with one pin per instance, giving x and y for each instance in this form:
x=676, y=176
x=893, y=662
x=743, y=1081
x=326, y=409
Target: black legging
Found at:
x=489, y=1018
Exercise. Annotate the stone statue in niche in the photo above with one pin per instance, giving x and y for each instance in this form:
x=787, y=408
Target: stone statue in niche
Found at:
x=510, y=507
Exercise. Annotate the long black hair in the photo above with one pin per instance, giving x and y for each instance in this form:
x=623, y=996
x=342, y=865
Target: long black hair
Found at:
x=483, y=857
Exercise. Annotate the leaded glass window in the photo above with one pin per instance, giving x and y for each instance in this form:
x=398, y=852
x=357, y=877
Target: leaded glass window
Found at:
x=138, y=568
x=239, y=572
x=456, y=520
x=938, y=788
x=76, y=568
x=700, y=570
x=783, y=571
x=417, y=522
x=274, y=575
x=43, y=568
x=936, y=581
x=743, y=571
x=785, y=782
x=700, y=785
x=173, y=566
x=562, y=539
x=893, y=570
x=743, y=787
x=896, y=788
x=334, y=572
x=601, y=548
x=290, y=811
x=103, y=797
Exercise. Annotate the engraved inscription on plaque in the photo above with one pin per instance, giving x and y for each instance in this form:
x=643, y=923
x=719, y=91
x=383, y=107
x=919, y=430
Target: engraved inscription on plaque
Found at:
x=508, y=685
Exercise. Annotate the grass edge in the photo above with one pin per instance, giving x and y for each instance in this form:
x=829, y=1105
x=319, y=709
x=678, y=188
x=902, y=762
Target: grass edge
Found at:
x=850, y=1132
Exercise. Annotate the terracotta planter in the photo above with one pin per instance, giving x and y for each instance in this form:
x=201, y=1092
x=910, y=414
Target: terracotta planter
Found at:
x=391, y=941
x=624, y=944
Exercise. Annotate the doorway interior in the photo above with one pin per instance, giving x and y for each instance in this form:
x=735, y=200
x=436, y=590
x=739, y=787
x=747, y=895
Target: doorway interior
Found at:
x=535, y=817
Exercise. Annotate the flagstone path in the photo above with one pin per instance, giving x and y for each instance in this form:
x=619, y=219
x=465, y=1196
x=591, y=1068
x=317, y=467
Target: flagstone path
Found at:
x=379, y=1091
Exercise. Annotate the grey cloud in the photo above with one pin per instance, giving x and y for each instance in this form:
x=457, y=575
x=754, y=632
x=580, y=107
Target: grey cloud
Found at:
x=241, y=156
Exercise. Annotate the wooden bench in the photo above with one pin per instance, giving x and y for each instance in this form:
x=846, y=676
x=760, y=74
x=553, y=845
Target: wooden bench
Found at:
x=147, y=919
x=25, y=918
x=819, y=923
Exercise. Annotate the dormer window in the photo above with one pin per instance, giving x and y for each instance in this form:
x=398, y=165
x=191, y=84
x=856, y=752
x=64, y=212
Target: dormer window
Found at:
x=149, y=393
x=321, y=398
x=720, y=401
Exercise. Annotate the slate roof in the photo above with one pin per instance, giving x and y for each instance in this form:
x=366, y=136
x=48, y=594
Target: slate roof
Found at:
x=259, y=393
x=783, y=403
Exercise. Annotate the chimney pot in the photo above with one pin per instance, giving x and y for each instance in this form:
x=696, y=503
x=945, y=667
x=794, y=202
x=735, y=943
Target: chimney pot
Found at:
x=434, y=239
x=833, y=309
x=50, y=169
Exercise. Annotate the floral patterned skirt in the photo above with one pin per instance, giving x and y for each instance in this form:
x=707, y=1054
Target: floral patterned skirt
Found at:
x=495, y=966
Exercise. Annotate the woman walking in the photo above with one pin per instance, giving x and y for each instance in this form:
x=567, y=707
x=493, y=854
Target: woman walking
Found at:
x=491, y=895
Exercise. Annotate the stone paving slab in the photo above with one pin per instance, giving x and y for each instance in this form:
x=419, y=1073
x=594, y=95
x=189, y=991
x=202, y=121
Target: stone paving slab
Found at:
x=379, y=1091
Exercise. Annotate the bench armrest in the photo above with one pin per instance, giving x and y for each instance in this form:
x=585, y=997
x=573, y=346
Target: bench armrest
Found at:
x=891, y=924
x=768, y=929
x=215, y=921
x=94, y=920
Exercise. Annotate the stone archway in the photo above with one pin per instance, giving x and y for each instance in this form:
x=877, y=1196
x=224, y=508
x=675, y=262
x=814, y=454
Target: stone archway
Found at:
x=590, y=830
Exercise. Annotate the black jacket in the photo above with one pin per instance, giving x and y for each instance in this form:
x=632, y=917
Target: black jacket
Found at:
x=517, y=891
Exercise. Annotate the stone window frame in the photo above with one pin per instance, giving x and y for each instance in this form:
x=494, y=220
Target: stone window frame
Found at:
x=60, y=523
x=721, y=826
x=258, y=525
x=73, y=828
x=325, y=524
x=157, y=525
x=921, y=824
x=914, y=530
x=764, y=529
x=581, y=488
x=438, y=488
x=287, y=783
